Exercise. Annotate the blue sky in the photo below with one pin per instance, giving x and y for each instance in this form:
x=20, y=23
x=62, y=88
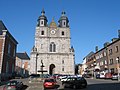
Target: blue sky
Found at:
x=92, y=22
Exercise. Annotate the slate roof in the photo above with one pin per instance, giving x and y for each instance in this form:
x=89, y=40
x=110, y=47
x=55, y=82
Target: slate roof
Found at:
x=2, y=27
x=23, y=56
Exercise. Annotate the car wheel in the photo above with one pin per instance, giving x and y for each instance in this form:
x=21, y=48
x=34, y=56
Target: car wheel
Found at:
x=84, y=86
x=74, y=86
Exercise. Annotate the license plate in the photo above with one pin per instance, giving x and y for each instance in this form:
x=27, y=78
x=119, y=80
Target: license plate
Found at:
x=9, y=87
x=49, y=83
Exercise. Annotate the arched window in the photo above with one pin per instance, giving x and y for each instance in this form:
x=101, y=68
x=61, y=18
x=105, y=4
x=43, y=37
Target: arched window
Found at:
x=52, y=47
x=62, y=68
x=62, y=32
x=42, y=32
x=62, y=61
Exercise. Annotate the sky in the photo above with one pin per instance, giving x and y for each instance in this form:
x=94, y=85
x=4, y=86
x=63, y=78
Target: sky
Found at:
x=92, y=22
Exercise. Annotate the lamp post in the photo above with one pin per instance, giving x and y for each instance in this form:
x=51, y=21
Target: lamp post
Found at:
x=118, y=69
x=42, y=68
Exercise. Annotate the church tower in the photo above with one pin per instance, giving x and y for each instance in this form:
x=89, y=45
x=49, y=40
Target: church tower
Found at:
x=52, y=47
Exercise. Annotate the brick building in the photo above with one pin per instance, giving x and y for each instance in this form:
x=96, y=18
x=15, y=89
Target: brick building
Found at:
x=22, y=64
x=106, y=59
x=8, y=46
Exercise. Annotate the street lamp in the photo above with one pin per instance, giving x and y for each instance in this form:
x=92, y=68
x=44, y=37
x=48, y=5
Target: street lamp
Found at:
x=118, y=69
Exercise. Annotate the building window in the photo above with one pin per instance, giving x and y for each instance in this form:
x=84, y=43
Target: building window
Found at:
x=41, y=22
x=9, y=47
x=14, y=52
x=110, y=52
x=111, y=61
x=62, y=68
x=118, y=60
x=41, y=46
x=64, y=23
x=62, y=61
x=104, y=53
x=105, y=62
x=116, y=49
x=52, y=47
x=12, y=68
x=63, y=33
x=7, y=67
x=42, y=32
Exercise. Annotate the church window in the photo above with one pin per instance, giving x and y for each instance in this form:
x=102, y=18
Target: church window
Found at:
x=52, y=47
x=42, y=32
x=62, y=61
x=62, y=68
x=41, y=46
x=41, y=22
x=62, y=32
x=64, y=23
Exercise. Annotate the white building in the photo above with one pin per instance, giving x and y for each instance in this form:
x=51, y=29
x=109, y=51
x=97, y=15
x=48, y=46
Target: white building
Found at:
x=52, y=47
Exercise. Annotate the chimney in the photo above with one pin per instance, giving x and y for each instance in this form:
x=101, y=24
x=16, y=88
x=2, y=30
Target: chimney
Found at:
x=114, y=39
x=118, y=33
x=96, y=48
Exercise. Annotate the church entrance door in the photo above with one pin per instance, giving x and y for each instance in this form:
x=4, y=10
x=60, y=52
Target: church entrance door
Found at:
x=52, y=69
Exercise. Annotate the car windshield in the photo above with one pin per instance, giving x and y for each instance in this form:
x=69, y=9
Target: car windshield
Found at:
x=49, y=80
x=12, y=83
x=115, y=74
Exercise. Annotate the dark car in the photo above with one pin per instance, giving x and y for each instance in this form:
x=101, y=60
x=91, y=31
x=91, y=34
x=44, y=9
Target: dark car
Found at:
x=75, y=82
x=87, y=75
x=13, y=85
x=49, y=83
x=97, y=76
x=115, y=76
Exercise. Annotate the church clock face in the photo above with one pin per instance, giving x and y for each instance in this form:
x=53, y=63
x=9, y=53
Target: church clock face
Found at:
x=53, y=31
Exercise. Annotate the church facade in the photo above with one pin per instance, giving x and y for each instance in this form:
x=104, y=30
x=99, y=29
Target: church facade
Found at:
x=52, y=52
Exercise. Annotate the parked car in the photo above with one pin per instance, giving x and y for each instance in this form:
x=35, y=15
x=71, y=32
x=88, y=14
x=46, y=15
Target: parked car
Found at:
x=115, y=76
x=97, y=76
x=108, y=76
x=87, y=75
x=13, y=85
x=75, y=82
x=102, y=75
x=49, y=83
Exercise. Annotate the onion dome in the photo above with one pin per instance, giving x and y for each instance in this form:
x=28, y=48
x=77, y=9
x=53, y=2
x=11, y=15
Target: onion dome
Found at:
x=53, y=24
x=42, y=15
x=63, y=21
x=42, y=20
